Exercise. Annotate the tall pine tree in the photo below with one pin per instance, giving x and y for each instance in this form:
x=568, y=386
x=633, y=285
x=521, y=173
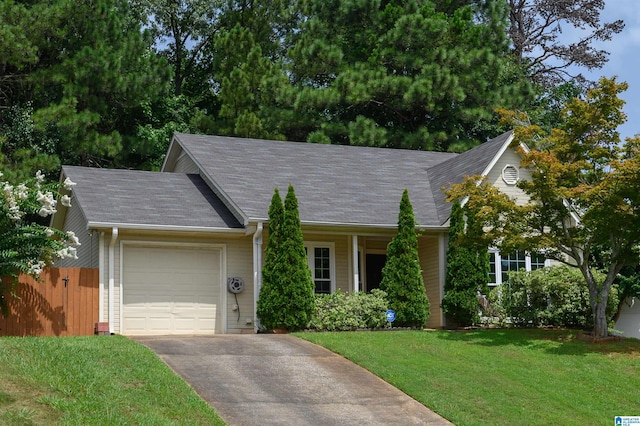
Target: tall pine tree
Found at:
x=411, y=74
x=402, y=276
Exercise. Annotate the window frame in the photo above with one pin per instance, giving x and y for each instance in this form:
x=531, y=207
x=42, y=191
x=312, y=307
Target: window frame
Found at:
x=498, y=265
x=310, y=247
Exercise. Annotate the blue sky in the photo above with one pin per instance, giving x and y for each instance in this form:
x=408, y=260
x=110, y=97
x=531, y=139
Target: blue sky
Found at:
x=624, y=59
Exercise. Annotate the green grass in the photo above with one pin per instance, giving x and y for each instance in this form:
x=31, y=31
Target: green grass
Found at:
x=492, y=377
x=97, y=380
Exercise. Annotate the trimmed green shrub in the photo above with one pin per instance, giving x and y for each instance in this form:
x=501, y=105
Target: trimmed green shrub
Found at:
x=269, y=303
x=342, y=312
x=555, y=296
x=402, y=276
x=287, y=297
x=467, y=270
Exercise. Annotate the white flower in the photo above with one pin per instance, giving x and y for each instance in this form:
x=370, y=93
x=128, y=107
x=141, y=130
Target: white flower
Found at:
x=39, y=176
x=73, y=252
x=35, y=268
x=68, y=184
x=49, y=232
x=22, y=192
x=47, y=202
x=8, y=190
x=66, y=201
x=73, y=240
x=14, y=212
x=70, y=252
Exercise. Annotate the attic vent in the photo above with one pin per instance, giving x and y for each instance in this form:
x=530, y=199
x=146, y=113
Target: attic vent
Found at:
x=510, y=174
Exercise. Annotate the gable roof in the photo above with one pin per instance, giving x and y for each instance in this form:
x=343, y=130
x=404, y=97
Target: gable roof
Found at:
x=334, y=184
x=139, y=199
x=476, y=161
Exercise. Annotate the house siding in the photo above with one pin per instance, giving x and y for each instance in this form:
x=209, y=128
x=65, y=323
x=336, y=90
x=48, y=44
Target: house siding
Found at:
x=377, y=245
x=185, y=164
x=87, y=252
x=509, y=158
x=429, y=256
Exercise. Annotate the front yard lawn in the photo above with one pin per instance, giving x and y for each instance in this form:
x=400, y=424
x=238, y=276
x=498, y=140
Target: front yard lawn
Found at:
x=512, y=376
x=97, y=380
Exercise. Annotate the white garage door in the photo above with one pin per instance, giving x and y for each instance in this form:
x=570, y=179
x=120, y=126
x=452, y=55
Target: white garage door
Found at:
x=171, y=290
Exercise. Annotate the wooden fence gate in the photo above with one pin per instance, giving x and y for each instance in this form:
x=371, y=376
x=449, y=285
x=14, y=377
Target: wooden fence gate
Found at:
x=63, y=302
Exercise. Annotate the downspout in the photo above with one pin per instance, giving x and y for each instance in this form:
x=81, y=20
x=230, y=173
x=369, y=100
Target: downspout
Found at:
x=101, y=277
x=257, y=272
x=112, y=274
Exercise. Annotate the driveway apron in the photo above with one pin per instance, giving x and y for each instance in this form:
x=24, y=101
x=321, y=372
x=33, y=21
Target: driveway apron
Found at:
x=282, y=380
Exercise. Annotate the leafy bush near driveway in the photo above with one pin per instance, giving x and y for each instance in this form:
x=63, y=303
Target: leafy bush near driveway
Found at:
x=341, y=312
x=556, y=296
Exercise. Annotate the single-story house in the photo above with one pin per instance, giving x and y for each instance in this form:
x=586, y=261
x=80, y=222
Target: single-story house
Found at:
x=167, y=243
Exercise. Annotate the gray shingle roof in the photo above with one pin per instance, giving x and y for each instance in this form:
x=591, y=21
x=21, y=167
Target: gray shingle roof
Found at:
x=333, y=183
x=469, y=163
x=147, y=198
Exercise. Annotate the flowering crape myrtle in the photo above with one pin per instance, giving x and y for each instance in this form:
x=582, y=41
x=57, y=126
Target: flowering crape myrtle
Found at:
x=27, y=246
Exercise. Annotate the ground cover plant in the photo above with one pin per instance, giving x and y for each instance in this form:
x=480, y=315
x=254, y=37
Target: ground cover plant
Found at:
x=92, y=381
x=502, y=376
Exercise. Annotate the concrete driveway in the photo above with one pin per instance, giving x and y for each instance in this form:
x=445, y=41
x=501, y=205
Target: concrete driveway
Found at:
x=264, y=379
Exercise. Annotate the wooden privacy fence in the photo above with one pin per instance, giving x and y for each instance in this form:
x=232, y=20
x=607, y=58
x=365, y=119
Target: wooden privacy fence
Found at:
x=62, y=302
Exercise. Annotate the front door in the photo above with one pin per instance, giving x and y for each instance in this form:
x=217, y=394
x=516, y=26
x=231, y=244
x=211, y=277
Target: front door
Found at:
x=375, y=263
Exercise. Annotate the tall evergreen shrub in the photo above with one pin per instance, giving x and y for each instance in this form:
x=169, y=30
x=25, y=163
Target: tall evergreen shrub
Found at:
x=402, y=275
x=287, y=297
x=268, y=305
x=467, y=270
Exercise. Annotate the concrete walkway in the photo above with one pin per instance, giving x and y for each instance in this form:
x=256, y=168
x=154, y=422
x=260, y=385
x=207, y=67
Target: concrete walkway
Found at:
x=281, y=380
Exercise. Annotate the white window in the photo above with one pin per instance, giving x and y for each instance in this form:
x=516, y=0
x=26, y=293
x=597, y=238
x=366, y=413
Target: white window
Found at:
x=321, y=260
x=501, y=265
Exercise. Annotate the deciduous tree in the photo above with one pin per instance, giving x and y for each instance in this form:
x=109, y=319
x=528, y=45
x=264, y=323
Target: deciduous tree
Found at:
x=183, y=31
x=25, y=245
x=538, y=31
x=584, y=194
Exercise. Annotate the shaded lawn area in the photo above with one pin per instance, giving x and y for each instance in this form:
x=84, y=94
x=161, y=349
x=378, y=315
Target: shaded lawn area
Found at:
x=96, y=380
x=508, y=376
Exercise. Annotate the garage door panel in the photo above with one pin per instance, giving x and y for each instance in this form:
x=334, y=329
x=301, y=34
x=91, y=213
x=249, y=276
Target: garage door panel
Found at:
x=171, y=290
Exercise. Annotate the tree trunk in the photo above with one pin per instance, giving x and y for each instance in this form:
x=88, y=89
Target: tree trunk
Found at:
x=599, y=296
x=600, y=326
